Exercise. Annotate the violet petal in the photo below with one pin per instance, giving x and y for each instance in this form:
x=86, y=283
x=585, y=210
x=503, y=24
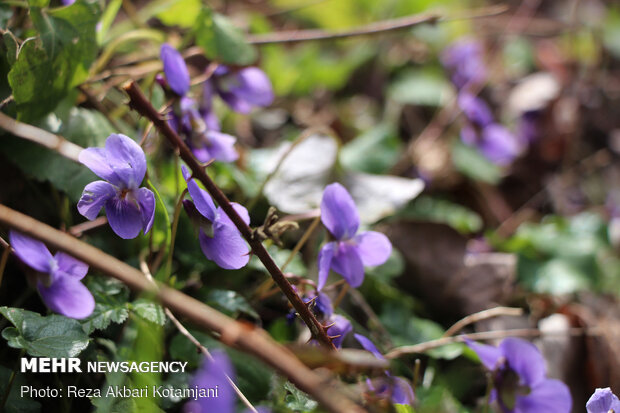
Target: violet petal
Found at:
x=326, y=254
x=202, y=200
x=548, y=396
x=68, y=296
x=124, y=217
x=348, y=263
x=127, y=159
x=175, y=69
x=93, y=198
x=146, y=200
x=227, y=248
x=525, y=359
x=373, y=247
x=71, y=266
x=32, y=252
x=338, y=212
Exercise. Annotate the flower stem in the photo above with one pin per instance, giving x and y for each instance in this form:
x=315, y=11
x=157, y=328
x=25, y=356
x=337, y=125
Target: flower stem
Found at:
x=166, y=217
x=175, y=226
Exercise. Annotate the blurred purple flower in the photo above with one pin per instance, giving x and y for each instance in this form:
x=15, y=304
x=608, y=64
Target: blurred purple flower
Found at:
x=175, y=69
x=201, y=132
x=67, y=2
x=220, y=240
x=339, y=328
x=498, y=144
x=241, y=90
x=520, y=384
x=475, y=109
x=212, y=375
x=349, y=253
x=398, y=389
x=603, y=401
x=464, y=60
x=59, y=282
x=128, y=207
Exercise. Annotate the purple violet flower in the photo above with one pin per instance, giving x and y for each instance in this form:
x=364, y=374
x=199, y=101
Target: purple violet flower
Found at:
x=201, y=132
x=212, y=375
x=220, y=240
x=339, y=328
x=603, y=401
x=175, y=69
x=349, y=253
x=397, y=388
x=122, y=164
x=241, y=90
x=519, y=376
x=59, y=283
x=464, y=59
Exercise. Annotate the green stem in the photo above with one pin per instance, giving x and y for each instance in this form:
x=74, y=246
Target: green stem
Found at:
x=163, y=206
x=175, y=226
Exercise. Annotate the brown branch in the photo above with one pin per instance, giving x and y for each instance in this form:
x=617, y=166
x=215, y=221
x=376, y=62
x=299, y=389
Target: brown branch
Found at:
x=42, y=137
x=249, y=339
x=140, y=104
x=482, y=336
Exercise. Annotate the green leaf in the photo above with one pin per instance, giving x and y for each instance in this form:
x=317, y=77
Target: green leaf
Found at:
x=149, y=311
x=374, y=151
x=222, y=41
x=231, y=303
x=431, y=209
x=11, y=45
x=49, y=66
x=472, y=163
x=110, y=303
x=181, y=13
x=297, y=400
x=418, y=87
x=51, y=336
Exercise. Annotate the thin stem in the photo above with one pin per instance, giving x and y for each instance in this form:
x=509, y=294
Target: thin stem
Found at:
x=167, y=218
x=139, y=103
x=175, y=226
x=482, y=315
x=343, y=292
x=252, y=340
x=485, y=335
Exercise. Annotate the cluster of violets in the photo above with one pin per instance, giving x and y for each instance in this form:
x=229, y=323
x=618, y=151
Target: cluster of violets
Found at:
x=517, y=367
x=197, y=123
x=464, y=61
